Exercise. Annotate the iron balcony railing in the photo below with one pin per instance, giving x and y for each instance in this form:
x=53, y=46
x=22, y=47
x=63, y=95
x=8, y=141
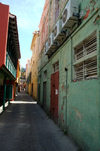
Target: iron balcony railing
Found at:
x=10, y=65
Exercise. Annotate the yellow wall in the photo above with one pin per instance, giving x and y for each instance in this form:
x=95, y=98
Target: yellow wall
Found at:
x=29, y=88
x=34, y=63
x=18, y=72
x=34, y=82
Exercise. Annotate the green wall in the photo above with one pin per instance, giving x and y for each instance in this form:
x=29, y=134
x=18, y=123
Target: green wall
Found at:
x=79, y=102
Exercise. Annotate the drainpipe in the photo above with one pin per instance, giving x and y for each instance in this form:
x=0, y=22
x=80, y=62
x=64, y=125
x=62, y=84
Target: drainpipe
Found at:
x=66, y=70
x=65, y=125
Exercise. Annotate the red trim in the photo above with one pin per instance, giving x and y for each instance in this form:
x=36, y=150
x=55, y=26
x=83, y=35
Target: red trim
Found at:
x=11, y=99
x=87, y=14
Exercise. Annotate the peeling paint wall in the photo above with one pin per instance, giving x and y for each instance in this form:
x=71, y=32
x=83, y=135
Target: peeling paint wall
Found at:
x=79, y=102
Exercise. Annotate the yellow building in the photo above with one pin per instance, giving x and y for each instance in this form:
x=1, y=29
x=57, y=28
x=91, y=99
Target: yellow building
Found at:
x=34, y=63
x=18, y=74
x=28, y=77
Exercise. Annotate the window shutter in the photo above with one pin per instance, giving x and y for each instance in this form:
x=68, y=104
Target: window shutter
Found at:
x=79, y=52
x=91, y=44
x=91, y=68
x=79, y=72
x=87, y=67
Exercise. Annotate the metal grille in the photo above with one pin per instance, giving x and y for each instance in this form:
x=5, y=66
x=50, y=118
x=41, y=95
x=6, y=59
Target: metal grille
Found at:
x=88, y=46
x=79, y=52
x=91, y=44
x=86, y=69
x=91, y=68
x=79, y=72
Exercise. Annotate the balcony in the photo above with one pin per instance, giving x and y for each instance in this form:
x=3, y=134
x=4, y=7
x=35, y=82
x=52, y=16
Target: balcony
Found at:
x=10, y=65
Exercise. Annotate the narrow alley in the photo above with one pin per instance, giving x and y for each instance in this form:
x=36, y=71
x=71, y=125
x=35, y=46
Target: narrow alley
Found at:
x=24, y=126
x=50, y=75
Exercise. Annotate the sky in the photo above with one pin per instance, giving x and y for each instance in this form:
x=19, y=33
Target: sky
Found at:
x=28, y=14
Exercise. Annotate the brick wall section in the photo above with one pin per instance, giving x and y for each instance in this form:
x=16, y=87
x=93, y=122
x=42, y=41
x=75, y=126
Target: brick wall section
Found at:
x=4, y=19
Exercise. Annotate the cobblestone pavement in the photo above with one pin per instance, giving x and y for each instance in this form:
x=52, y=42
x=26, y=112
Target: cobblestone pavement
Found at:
x=24, y=126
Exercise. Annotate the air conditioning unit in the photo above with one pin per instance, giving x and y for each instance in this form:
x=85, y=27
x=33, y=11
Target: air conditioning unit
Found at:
x=70, y=14
x=50, y=45
x=46, y=48
x=50, y=41
x=57, y=30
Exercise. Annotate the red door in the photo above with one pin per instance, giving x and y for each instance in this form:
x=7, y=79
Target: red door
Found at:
x=54, y=95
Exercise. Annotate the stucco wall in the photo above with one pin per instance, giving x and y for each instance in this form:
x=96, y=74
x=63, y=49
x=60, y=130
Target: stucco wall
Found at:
x=78, y=103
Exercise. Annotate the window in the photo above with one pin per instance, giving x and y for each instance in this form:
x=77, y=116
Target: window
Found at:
x=56, y=67
x=79, y=72
x=88, y=46
x=90, y=67
x=86, y=67
x=45, y=74
x=86, y=70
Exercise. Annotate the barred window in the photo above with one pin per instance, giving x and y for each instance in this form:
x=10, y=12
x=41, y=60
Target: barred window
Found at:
x=91, y=44
x=87, y=67
x=79, y=72
x=90, y=67
x=78, y=52
x=88, y=46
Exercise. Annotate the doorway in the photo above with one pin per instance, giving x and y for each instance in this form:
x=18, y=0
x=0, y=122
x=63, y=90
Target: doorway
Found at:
x=44, y=94
x=54, y=95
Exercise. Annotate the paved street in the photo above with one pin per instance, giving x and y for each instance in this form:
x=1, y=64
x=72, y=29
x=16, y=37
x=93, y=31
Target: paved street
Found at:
x=24, y=126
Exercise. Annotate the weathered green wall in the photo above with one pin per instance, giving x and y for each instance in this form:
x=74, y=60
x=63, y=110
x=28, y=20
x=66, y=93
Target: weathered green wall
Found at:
x=79, y=102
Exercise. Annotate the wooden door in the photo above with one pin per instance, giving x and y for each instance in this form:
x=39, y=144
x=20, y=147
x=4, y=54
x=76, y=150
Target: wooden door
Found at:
x=54, y=95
